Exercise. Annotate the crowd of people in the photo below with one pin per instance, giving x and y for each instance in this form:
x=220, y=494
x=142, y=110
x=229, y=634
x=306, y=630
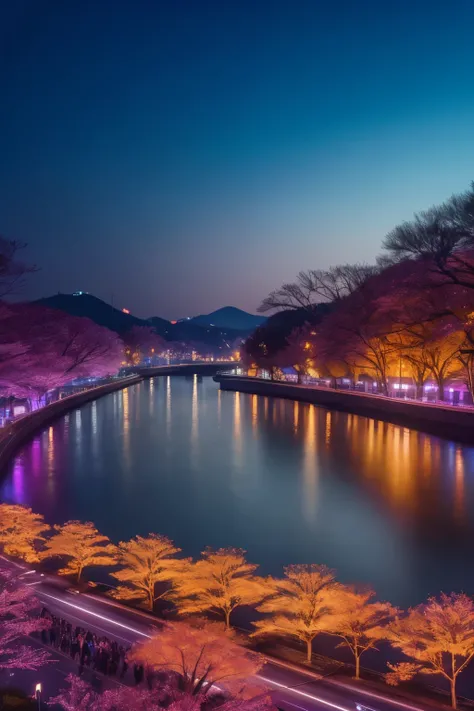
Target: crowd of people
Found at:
x=97, y=653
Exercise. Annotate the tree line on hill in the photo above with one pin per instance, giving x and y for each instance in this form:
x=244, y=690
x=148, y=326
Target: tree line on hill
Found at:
x=412, y=310
x=436, y=637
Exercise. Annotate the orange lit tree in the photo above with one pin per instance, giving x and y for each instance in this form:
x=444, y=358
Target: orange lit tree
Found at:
x=21, y=531
x=301, y=605
x=359, y=622
x=82, y=544
x=219, y=583
x=438, y=636
x=145, y=562
x=198, y=657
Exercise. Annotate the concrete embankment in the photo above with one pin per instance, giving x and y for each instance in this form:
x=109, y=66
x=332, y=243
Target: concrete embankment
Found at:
x=16, y=434
x=440, y=420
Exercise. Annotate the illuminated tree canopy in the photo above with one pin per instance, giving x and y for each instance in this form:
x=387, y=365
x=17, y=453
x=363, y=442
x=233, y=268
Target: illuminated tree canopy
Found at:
x=301, y=605
x=220, y=582
x=82, y=545
x=21, y=531
x=145, y=562
x=437, y=636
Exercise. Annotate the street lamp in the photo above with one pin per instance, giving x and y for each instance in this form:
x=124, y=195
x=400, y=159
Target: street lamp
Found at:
x=38, y=694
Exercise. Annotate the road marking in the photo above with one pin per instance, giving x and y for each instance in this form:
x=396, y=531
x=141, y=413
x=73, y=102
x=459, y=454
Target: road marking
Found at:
x=384, y=699
x=12, y=562
x=303, y=693
x=95, y=614
x=379, y=697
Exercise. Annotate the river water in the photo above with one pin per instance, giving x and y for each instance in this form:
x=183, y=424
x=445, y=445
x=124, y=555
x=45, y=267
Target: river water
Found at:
x=290, y=483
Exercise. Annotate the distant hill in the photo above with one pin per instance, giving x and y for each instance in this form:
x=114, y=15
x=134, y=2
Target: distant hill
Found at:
x=218, y=338
x=229, y=317
x=91, y=307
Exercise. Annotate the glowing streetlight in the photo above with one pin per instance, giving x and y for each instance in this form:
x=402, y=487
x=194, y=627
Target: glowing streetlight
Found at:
x=38, y=689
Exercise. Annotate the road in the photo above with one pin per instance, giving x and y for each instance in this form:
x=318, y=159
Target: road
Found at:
x=291, y=689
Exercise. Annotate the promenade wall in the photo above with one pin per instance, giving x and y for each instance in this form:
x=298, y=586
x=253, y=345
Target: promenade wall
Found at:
x=447, y=421
x=16, y=434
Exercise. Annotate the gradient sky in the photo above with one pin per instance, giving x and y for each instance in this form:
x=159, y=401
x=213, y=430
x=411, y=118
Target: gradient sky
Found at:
x=189, y=154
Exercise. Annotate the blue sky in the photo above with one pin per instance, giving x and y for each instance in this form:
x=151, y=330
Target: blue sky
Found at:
x=190, y=154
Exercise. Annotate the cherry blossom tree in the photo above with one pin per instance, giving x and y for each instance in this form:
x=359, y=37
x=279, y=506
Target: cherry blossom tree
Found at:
x=301, y=605
x=83, y=546
x=18, y=606
x=21, y=531
x=51, y=348
x=80, y=696
x=438, y=636
x=359, y=622
x=12, y=270
x=200, y=657
x=219, y=583
x=316, y=285
x=145, y=562
x=442, y=238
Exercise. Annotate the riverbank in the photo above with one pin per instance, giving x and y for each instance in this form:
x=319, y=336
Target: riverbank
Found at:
x=436, y=419
x=15, y=435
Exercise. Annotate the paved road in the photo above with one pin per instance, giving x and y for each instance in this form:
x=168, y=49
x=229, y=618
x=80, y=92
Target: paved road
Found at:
x=291, y=689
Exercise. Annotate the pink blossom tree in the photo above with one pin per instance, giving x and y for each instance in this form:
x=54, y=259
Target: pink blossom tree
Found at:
x=41, y=349
x=80, y=696
x=18, y=606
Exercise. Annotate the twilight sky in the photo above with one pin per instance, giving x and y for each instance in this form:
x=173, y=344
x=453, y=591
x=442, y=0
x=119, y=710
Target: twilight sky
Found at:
x=183, y=155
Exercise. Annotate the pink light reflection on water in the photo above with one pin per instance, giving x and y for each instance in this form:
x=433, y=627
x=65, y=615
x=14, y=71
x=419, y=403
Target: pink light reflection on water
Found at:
x=18, y=481
x=36, y=457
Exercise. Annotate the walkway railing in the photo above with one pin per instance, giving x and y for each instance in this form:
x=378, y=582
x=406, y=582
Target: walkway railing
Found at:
x=395, y=392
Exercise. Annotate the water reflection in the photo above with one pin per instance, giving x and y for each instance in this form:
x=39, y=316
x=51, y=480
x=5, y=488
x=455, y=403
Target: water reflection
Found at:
x=168, y=406
x=289, y=482
x=194, y=422
x=219, y=407
x=459, y=489
x=327, y=436
x=126, y=427
x=296, y=412
x=310, y=465
x=50, y=464
x=254, y=414
x=152, y=396
x=237, y=440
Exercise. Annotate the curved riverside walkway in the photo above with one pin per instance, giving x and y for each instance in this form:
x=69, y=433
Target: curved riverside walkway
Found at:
x=14, y=435
x=448, y=421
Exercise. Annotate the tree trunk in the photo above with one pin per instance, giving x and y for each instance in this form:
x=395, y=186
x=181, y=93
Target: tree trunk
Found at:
x=227, y=619
x=309, y=650
x=357, y=661
x=453, y=693
x=151, y=600
x=440, y=382
x=79, y=573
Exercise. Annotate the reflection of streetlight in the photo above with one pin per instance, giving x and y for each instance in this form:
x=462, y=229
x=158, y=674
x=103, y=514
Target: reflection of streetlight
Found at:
x=38, y=695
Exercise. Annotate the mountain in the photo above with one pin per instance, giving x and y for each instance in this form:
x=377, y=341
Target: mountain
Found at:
x=219, y=339
x=229, y=317
x=82, y=304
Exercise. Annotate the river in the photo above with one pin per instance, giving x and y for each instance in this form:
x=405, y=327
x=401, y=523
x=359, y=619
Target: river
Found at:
x=291, y=483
